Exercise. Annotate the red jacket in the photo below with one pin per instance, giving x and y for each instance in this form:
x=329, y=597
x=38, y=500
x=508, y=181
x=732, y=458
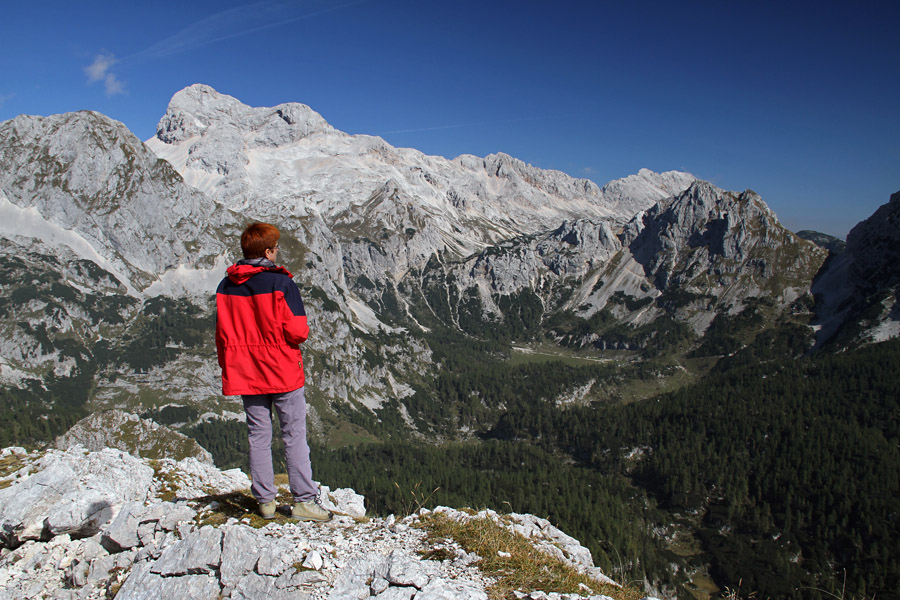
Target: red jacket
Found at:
x=260, y=324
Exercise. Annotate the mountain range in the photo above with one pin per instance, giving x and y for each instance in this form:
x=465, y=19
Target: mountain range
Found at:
x=111, y=249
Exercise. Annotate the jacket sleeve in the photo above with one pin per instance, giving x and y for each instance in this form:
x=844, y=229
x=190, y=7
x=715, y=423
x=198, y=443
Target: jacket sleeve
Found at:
x=296, y=329
x=220, y=339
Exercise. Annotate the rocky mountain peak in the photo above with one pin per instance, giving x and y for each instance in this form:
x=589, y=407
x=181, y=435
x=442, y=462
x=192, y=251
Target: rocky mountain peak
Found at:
x=709, y=242
x=85, y=152
x=701, y=215
x=199, y=109
x=139, y=437
x=641, y=190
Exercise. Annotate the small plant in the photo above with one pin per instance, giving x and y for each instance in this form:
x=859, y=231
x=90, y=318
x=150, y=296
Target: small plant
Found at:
x=437, y=554
x=168, y=484
x=419, y=498
x=842, y=594
x=735, y=594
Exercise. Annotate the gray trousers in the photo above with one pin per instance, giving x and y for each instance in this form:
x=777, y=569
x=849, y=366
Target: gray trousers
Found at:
x=291, y=409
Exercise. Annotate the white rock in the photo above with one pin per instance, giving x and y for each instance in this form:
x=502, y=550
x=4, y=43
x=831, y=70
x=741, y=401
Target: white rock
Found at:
x=313, y=561
x=441, y=589
x=343, y=501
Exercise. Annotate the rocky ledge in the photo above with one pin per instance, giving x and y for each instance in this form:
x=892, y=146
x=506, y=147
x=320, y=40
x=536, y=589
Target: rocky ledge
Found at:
x=77, y=524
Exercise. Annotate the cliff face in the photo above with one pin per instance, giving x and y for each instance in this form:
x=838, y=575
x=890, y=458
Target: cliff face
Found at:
x=709, y=249
x=82, y=524
x=83, y=181
x=858, y=292
x=110, y=248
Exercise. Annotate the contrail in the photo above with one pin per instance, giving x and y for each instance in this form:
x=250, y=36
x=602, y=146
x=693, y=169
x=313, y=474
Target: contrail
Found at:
x=232, y=23
x=225, y=25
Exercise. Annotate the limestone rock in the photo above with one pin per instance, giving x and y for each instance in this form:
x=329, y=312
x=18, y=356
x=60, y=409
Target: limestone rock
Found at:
x=405, y=571
x=353, y=580
x=199, y=553
x=313, y=561
x=191, y=478
x=343, y=501
x=241, y=548
x=143, y=584
x=440, y=589
x=138, y=548
x=122, y=532
x=86, y=173
x=73, y=492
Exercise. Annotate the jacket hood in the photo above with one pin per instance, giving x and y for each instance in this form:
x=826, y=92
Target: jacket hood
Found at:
x=241, y=271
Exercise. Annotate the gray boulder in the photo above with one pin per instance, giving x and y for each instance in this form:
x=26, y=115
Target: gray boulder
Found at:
x=143, y=584
x=73, y=492
x=123, y=532
x=198, y=553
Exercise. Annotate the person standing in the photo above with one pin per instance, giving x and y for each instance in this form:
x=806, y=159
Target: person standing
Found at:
x=260, y=324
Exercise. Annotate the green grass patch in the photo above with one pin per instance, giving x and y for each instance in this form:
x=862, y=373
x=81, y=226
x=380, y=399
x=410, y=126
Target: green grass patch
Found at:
x=514, y=562
x=9, y=465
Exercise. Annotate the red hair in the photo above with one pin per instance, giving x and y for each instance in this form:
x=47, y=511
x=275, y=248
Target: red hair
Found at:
x=257, y=238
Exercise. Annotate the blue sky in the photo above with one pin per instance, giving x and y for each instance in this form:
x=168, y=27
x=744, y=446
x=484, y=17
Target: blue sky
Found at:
x=797, y=101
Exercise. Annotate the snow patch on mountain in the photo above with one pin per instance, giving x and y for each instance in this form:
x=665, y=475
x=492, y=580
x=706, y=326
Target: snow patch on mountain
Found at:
x=177, y=156
x=17, y=221
x=186, y=281
x=366, y=320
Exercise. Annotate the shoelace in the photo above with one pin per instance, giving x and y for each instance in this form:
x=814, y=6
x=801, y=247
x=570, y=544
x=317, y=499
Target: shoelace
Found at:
x=318, y=501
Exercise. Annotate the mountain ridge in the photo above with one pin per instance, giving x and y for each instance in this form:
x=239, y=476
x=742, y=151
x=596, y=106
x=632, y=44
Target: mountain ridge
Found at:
x=382, y=234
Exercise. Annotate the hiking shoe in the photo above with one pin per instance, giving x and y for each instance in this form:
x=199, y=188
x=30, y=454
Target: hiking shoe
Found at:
x=267, y=509
x=310, y=511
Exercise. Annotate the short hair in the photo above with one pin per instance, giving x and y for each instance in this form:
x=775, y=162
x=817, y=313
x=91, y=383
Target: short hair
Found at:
x=257, y=238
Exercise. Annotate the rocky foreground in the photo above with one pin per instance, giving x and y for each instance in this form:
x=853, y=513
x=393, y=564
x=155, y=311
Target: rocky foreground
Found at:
x=82, y=524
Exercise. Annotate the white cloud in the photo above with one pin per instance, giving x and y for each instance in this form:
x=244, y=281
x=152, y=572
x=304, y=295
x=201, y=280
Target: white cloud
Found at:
x=113, y=85
x=4, y=98
x=99, y=70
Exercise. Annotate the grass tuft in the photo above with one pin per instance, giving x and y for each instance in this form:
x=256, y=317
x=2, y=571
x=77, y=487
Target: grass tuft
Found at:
x=167, y=480
x=242, y=506
x=418, y=498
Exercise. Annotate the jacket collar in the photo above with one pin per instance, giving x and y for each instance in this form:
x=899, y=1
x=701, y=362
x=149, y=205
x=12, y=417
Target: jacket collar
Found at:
x=244, y=269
